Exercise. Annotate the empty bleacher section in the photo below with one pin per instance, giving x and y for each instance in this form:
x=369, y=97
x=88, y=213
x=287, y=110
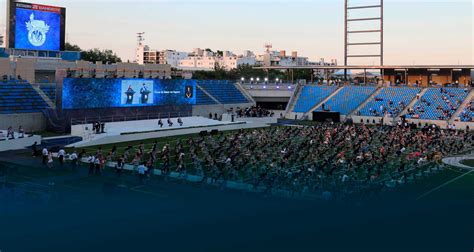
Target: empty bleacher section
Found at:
x=311, y=96
x=348, y=99
x=20, y=97
x=224, y=91
x=468, y=113
x=392, y=100
x=202, y=98
x=438, y=104
x=49, y=90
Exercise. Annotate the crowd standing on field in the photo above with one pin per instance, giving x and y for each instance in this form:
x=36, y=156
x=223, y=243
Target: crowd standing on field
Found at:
x=320, y=159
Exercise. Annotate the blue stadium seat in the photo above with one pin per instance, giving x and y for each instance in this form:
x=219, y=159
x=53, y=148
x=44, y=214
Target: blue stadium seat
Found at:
x=50, y=91
x=438, y=104
x=348, y=99
x=311, y=96
x=392, y=100
x=468, y=113
x=202, y=98
x=224, y=91
x=20, y=97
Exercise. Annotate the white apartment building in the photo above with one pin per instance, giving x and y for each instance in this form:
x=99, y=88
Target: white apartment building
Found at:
x=171, y=57
x=280, y=58
x=207, y=60
x=231, y=61
x=199, y=60
x=145, y=55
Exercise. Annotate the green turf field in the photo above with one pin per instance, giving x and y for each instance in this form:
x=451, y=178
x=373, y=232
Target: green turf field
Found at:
x=468, y=162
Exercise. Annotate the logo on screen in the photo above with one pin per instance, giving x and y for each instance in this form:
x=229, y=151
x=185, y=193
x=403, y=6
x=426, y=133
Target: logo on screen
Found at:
x=189, y=92
x=37, y=30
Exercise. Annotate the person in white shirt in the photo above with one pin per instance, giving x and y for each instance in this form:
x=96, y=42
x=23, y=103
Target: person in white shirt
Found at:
x=50, y=160
x=97, y=165
x=91, y=160
x=141, y=169
x=44, y=152
x=61, y=155
x=73, y=158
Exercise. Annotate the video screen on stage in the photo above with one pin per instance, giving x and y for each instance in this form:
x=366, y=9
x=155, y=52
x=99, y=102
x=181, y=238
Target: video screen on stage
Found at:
x=85, y=93
x=36, y=27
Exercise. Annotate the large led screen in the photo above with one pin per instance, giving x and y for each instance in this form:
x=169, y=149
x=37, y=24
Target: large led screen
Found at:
x=82, y=93
x=36, y=27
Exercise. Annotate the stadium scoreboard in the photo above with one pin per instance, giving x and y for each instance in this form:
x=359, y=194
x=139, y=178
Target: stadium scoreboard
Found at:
x=35, y=26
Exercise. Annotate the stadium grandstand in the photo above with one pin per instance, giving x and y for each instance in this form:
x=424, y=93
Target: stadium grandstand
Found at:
x=390, y=145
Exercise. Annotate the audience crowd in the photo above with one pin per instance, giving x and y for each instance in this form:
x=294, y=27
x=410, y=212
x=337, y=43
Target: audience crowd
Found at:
x=254, y=111
x=321, y=159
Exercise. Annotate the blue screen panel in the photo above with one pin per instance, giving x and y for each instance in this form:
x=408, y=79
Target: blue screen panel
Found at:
x=108, y=93
x=37, y=30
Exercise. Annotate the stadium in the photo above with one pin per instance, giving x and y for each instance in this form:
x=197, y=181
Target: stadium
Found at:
x=129, y=156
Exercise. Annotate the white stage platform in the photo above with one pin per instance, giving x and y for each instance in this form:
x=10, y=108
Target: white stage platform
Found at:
x=18, y=142
x=117, y=132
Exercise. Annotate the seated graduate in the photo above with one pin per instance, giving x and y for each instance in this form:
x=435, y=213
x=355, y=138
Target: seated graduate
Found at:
x=10, y=133
x=21, y=132
x=160, y=123
x=170, y=123
x=180, y=121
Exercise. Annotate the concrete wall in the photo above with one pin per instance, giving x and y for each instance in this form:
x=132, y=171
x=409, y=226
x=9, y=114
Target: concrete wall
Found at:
x=28, y=67
x=31, y=122
x=270, y=93
x=204, y=110
x=5, y=68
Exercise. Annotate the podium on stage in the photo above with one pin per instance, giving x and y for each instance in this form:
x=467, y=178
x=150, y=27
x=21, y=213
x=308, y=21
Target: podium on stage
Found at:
x=145, y=95
x=129, y=94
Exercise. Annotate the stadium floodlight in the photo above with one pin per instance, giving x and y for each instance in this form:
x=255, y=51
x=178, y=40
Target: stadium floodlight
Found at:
x=242, y=79
x=258, y=79
x=289, y=87
x=277, y=80
x=278, y=87
x=251, y=79
x=266, y=79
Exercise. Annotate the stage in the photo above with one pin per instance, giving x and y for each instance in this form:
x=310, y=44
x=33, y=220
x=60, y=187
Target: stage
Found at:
x=116, y=132
x=18, y=142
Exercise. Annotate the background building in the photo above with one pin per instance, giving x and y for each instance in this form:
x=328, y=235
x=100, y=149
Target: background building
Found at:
x=207, y=60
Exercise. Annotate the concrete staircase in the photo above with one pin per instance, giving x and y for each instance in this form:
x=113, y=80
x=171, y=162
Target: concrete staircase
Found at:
x=362, y=105
x=245, y=93
x=208, y=94
x=463, y=105
x=45, y=97
x=411, y=104
x=323, y=101
x=291, y=103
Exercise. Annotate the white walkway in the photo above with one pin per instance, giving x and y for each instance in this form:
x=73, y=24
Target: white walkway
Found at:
x=456, y=161
x=141, y=130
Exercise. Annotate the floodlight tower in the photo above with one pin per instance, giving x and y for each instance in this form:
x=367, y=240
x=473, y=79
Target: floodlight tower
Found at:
x=140, y=49
x=348, y=8
x=140, y=37
x=268, y=47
